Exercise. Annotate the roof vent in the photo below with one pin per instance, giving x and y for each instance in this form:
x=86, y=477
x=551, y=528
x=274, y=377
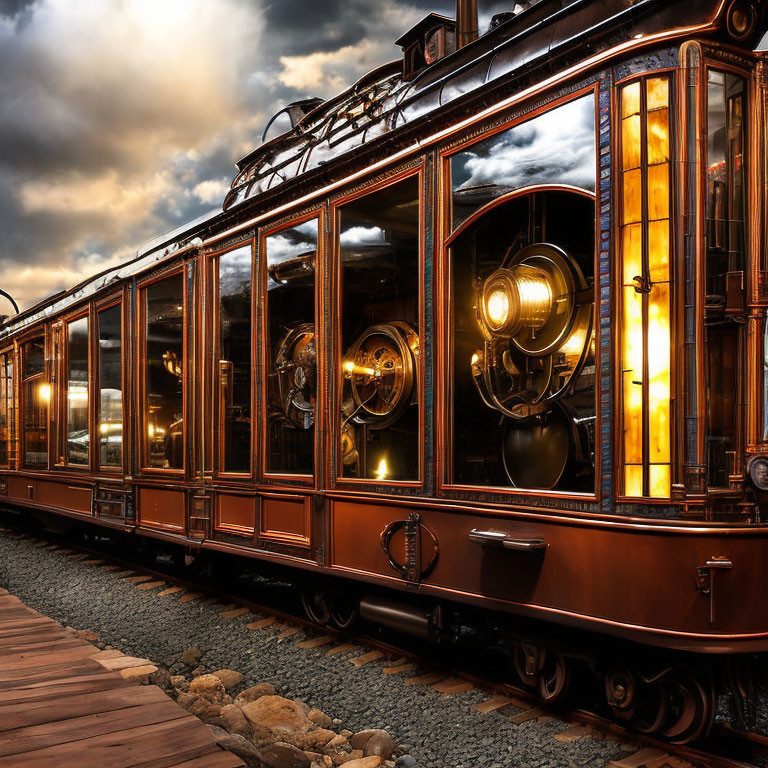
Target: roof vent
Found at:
x=288, y=118
x=429, y=41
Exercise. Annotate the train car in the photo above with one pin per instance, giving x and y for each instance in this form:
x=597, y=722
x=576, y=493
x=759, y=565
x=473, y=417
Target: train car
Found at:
x=485, y=333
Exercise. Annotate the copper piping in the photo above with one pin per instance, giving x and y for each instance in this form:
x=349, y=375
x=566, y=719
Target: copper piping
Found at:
x=466, y=22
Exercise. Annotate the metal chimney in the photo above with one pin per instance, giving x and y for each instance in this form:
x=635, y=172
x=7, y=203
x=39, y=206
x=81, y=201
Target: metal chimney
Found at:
x=466, y=22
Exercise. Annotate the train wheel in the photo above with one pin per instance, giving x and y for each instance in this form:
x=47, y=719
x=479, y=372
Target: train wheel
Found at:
x=691, y=707
x=651, y=708
x=554, y=678
x=343, y=611
x=315, y=605
x=621, y=692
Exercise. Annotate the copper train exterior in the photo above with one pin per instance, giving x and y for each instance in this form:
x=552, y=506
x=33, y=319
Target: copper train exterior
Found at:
x=489, y=328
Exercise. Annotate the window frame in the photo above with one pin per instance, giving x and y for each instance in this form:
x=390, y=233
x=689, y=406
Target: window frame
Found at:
x=60, y=393
x=213, y=331
x=315, y=479
x=120, y=300
x=44, y=377
x=141, y=421
x=418, y=170
x=7, y=355
x=617, y=196
x=445, y=236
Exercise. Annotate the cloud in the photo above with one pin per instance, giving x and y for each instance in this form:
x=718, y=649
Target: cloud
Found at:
x=123, y=119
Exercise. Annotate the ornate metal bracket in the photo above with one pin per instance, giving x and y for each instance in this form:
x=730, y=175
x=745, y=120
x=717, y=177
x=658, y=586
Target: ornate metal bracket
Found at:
x=414, y=569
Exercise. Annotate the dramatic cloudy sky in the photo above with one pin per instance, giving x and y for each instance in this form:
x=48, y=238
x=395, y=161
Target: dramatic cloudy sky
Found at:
x=120, y=119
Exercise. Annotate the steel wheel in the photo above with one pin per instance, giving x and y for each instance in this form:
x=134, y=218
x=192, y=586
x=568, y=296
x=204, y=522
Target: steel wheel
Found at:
x=651, y=709
x=343, y=611
x=553, y=678
x=691, y=708
x=315, y=606
x=621, y=692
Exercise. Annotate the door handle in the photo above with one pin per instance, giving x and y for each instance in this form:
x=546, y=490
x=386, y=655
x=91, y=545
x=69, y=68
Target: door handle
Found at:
x=506, y=541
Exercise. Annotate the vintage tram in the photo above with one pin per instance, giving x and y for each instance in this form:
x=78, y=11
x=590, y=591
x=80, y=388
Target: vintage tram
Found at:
x=486, y=330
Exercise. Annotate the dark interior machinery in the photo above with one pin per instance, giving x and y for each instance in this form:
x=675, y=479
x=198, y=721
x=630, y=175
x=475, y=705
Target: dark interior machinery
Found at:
x=524, y=275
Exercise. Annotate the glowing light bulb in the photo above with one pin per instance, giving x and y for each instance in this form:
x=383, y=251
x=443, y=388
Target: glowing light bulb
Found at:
x=475, y=359
x=44, y=391
x=151, y=430
x=497, y=307
x=382, y=470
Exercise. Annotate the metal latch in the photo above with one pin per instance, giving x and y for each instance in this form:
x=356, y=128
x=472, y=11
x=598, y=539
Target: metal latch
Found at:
x=705, y=579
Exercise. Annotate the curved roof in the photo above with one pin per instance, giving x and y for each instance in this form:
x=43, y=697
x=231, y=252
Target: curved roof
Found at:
x=382, y=102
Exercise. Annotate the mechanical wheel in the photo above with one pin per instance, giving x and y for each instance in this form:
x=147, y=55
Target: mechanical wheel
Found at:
x=343, y=611
x=651, y=709
x=691, y=707
x=621, y=692
x=554, y=678
x=315, y=605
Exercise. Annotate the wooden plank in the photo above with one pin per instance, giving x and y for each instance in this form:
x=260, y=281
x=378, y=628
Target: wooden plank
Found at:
x=26, y=678
x=37, y=712
x=48, y=644
x=22, y=660
x=159, y=745
x=218, y=759
x=32, y=738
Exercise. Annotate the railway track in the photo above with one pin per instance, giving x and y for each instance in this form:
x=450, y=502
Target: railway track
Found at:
x=726, y=747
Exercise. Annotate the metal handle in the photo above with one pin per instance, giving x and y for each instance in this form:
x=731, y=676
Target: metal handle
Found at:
x=505, y=540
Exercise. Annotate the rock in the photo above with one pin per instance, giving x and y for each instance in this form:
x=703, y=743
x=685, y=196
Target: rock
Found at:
x=341, y=759
x=207, y=685
x=360, y=739
x=404, y=749
x=229, y=678
x=191, y=656
x=179, y=682
x=238, y=746
x=88, y=634
x=235, y=721
x=364, y=762
x=254, y=692
x=201, y=707
x=282, y=755
x=344, y=733
x=338, y=743
x=277, y=717
x=406, y=761
x=320, y=718
x=317, y=738
x=161, y=679
x=139, y=675
x=380, y=744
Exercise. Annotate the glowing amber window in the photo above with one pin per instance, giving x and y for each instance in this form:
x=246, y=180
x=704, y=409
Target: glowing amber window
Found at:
x=645, y=325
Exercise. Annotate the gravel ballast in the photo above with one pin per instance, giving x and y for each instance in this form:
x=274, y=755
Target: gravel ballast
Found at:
x=444, y=731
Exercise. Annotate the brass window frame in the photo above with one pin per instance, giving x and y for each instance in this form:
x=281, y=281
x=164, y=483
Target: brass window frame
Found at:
x=394, y=176
x=444, y=237
x=263, y=476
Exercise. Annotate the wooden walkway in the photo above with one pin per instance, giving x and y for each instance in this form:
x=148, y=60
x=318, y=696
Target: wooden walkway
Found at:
x=62, y=707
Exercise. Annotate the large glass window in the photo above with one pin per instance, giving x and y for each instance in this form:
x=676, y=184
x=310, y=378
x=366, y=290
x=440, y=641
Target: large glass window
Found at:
x=379, y=245
x=291, y=354
x=77, y=392
x=233, y=271
x=6, y=409
x=36, y=397
x=111, y=386
x=164, y=350
x=725, y=246
x=557, y=147
x=644, y=219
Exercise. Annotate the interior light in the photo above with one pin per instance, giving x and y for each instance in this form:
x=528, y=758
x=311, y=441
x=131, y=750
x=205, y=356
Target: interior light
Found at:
x=382, y=470
x=350, y=366
x=497, y=307
x=475, y=358
x=44, y=392
x=151, y=430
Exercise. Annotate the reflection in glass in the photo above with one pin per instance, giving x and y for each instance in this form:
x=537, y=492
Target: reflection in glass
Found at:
x=77, y=392
x=36, y=395
x=110, y=387
x=6, y=408
x=557, y=147
x=379, y=243
x=291, y=258
x=523, y=350
x=164, y=307
x=234, y=281
x=726, y=235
